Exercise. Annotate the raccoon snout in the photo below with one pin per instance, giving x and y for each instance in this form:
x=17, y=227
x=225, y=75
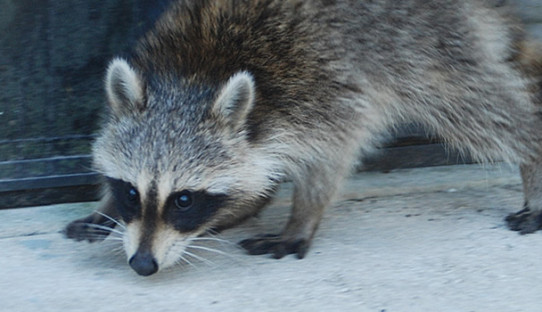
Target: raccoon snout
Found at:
x=143, y=263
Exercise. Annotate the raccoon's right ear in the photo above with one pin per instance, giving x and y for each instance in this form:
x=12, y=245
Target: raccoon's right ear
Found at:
x=235, y=99
x=124, y=87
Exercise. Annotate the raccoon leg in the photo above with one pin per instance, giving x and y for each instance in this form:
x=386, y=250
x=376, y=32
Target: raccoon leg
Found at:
x=96, y=226
x=529, y=219
x=311, y=196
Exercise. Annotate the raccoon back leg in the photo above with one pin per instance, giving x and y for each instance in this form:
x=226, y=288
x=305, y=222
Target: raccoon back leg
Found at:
x=310, y=198
x=529, y=219
x=96, y=226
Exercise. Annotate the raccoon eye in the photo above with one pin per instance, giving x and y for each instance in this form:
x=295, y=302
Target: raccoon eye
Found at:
x=132, y=195
x=183, y=201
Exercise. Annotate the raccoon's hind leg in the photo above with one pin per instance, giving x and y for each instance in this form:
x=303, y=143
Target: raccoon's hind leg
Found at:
x=311, y=196
x=529, y=219
x=96, y=226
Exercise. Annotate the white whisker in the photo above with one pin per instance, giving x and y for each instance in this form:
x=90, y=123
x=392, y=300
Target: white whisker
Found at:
x=115, y=238
x=181, y=258
x=105, y=228
x=212, y=233
x=118, y=251
x=193, y=255
x=97, y=237
x=209, y=249
x=220, y=240
x=110, y=218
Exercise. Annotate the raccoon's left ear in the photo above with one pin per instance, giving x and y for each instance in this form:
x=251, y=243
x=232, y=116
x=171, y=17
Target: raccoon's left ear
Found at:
x=124, y=87
x=235, y=99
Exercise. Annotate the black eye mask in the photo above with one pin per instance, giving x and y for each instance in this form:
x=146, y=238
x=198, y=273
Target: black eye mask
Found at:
x=187, y=210
x=128, y=202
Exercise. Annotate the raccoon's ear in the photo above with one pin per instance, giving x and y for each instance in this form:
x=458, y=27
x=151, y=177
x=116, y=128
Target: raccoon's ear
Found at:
x=124, y=87
x=236, y=98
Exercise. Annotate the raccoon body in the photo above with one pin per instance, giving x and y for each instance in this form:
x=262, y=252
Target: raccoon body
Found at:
x=223, y=100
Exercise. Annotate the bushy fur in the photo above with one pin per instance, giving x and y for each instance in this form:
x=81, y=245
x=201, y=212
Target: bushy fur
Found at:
x=233, y=96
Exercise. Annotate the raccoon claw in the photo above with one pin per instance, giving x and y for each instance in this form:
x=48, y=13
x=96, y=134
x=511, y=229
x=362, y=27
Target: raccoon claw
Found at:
x=525, y=221
x=276, y=246
x=83, y=229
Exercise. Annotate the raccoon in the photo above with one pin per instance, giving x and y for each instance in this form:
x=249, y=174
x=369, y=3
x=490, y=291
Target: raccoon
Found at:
x=222, y=100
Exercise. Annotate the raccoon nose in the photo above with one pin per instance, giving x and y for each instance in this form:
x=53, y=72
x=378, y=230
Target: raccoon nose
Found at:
x=143, y=263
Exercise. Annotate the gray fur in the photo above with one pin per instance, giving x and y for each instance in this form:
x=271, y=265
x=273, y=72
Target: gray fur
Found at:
x=237, y=96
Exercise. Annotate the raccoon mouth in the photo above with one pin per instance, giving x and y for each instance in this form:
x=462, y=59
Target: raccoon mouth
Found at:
x=187, y=251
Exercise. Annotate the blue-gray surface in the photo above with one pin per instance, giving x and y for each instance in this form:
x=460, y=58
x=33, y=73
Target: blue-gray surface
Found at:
x=429, y=239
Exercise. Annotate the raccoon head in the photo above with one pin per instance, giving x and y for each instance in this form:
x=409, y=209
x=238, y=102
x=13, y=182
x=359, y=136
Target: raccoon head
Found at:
x=177, y=161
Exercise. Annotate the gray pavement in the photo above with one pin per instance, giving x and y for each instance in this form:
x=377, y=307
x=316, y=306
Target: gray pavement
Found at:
x=429, y=239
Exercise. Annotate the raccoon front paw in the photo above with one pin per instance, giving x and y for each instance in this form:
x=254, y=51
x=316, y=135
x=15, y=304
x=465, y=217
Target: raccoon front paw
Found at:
x=86, y=229
x=525, y=221
x=275, y=245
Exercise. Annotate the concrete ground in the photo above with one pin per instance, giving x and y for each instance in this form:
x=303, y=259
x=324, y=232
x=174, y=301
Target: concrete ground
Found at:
x=430, y=239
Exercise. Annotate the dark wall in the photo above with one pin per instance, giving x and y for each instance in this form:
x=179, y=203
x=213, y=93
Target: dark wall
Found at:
x=53, y=56
x=52, y=60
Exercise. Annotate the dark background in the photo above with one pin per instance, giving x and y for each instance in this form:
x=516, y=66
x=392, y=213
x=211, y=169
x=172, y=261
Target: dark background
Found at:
x=52, y=60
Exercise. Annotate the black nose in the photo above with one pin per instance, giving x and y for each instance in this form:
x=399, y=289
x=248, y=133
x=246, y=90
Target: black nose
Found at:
x=143, y=263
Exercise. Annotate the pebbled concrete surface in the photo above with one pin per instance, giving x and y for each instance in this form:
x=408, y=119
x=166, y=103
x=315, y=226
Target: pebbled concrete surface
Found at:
x=429, y=239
